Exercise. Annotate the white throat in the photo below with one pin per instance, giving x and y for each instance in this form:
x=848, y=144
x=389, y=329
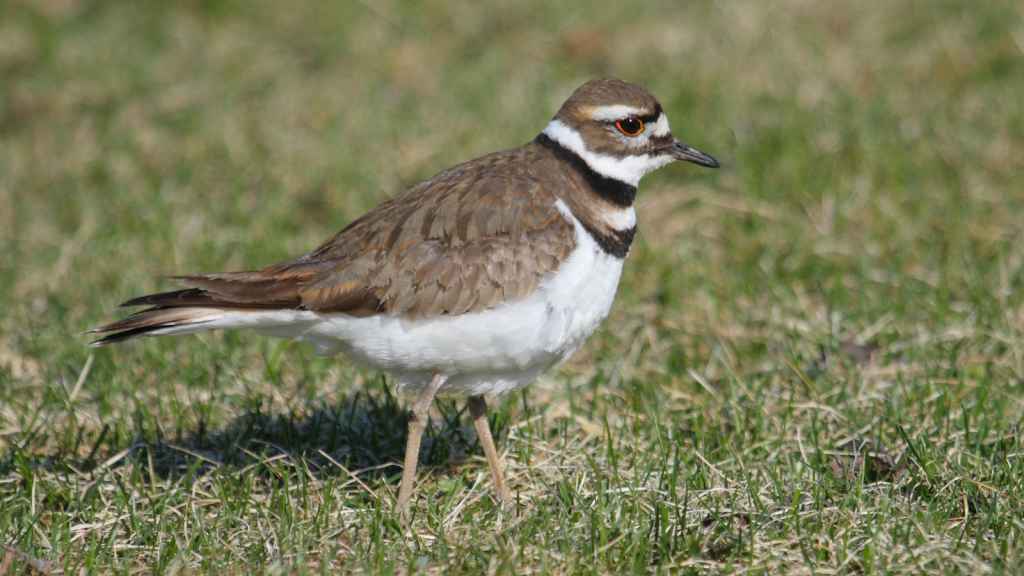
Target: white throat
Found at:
x=629, y=169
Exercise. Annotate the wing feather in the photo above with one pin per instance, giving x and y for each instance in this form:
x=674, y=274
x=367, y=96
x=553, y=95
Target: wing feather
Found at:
x=464, y=241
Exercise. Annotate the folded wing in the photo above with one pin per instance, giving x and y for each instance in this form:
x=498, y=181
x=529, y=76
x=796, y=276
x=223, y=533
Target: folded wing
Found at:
x=467, y=240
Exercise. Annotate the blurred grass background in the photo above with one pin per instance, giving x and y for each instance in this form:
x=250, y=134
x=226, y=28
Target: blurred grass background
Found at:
x=814, y=363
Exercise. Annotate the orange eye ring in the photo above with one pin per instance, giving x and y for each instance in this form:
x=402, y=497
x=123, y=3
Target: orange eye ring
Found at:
x=630, y=126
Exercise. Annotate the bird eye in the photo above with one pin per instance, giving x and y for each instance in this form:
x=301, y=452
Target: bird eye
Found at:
x=630, y=126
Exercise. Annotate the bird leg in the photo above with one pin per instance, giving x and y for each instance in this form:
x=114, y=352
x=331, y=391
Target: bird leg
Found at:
x=478, y=412
x=418, y=419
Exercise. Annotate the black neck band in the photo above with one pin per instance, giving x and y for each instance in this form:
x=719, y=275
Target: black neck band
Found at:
x=615, y=191
x=616, y=243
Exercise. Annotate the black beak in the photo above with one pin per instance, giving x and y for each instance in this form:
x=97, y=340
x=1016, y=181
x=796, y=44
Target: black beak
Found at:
x=683, y=151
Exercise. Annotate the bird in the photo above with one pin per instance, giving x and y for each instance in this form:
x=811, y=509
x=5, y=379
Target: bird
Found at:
x=471, y=283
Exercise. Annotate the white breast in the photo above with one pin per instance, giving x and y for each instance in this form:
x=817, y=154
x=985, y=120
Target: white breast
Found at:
x=496, y=351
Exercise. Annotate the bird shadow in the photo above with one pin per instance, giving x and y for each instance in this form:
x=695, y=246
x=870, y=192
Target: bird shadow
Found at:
x=361, y=434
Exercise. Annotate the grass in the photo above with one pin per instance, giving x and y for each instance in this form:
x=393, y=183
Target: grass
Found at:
x=814, y=364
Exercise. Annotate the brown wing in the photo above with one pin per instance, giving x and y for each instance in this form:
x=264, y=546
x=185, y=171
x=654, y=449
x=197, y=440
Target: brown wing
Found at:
x=463, y=241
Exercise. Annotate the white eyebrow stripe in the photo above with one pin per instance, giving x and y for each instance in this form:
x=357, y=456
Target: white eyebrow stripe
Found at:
x=614, y=112
x=661, y=126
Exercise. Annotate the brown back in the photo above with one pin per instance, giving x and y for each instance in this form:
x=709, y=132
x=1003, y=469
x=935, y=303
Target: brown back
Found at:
x=463, y=241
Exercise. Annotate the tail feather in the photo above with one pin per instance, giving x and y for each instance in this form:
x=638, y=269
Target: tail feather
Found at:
x=211, y=302
x=200, y=298
x=155, y=321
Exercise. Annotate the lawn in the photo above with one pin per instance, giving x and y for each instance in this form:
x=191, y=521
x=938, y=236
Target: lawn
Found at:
x=815, y=362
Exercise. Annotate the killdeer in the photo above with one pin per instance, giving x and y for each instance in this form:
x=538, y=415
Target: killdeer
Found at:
x=473, y=282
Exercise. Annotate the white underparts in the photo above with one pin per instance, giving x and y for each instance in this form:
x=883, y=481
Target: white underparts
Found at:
x=629, y=169
x=492, y=352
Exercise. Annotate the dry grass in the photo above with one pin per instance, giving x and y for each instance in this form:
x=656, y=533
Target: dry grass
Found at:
x=814, y=364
